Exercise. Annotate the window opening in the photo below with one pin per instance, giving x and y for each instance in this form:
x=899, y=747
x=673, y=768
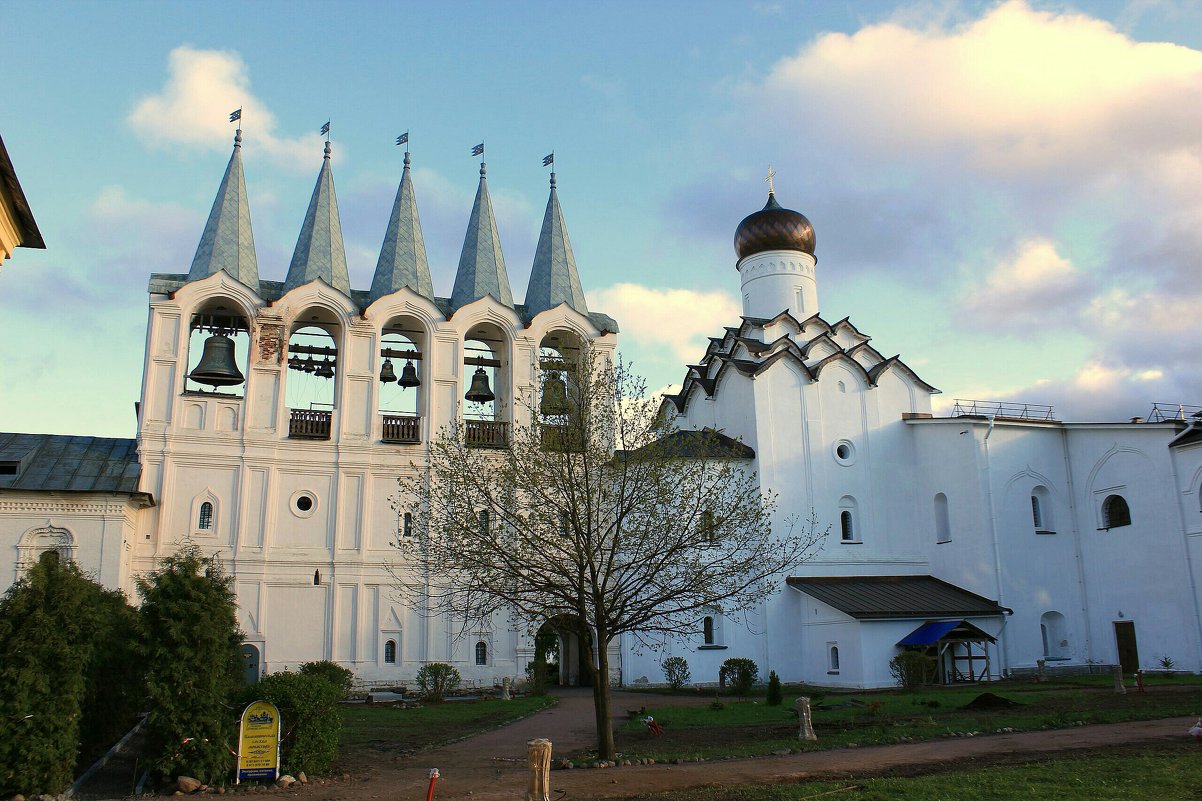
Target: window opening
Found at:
x=316, y=578
x=707, y=628
x=846, y=527
x=1115, y=512
x=943, y=529
x=205, y=520
x=834, y=661
x=1036, y=517
x=407, y=524
x=218, y=344
x=481, y=653
x=709, y=529
x=390, y=652
x=482, y=521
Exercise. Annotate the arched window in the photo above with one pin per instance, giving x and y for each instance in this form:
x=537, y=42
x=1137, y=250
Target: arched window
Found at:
x=1054, y=632
x=482, y=653
x=1036, y=516
x=407, y=524
x=310, y=390
x=846, y=527
x=834, y=659
x=1115, y=512
x=316, y=578
x=390, y=652
x=1041, y=511
x=707, y=627
x=708, y=527
x=218, y=344
x=205, y=518
x=482, y=521
x=943, y=528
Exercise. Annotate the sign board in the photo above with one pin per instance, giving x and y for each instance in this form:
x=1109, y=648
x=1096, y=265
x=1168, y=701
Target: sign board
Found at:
x=259, y=742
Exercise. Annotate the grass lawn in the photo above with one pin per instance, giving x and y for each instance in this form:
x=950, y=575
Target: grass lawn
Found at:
x=1169, y=771
x=751, y=727
x=395, y=730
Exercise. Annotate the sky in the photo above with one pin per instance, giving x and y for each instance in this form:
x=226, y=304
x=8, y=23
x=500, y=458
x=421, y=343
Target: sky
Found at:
x=1008, y=195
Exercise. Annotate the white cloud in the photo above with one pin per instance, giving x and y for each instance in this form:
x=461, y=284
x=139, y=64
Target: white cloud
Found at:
x=1034, y=285
x=673, y=320
x=193, y=107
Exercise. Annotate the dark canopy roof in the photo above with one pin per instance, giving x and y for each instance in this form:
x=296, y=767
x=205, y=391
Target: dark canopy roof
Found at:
x=934, y=631
x=54, y=462
x=874, y=597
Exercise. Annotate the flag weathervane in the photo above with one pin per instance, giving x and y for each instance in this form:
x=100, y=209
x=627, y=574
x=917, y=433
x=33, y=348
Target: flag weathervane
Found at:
x=325, y=130
x=478, y=150
x=236, y=115
x=549, y=159
x=771, y=175
x=403, y=139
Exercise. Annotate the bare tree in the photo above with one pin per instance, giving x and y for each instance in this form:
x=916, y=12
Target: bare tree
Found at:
x=598, y=511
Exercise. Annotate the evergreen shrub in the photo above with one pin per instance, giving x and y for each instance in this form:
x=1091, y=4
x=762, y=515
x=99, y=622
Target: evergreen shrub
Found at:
x=336, y=674
x=775, y=696
x=676, y=671
x=309, y=719
x=437, y=680
x=740, y=673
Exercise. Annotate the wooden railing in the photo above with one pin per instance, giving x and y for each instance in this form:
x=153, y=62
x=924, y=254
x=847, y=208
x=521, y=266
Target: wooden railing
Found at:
x=309, y=424
x=404, y=428
x=487, y=434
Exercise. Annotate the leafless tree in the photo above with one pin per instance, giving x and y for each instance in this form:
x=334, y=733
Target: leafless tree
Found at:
x=598, y=511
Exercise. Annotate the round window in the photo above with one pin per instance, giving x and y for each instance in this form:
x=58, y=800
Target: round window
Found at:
x=304, y=504
x=845, y=452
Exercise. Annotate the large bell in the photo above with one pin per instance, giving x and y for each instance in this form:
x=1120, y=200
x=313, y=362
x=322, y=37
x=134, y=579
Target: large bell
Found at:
x=555, y=396
x=409, y=376
x=387, y=374
x=217, y=366
x=479, y=391
x=324, y=370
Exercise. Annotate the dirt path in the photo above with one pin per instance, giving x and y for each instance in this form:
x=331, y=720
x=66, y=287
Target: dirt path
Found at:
x=491, y=766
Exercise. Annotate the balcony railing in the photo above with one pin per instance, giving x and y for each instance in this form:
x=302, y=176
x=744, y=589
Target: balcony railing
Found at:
x=309, y=424
x=402, y=428
x=487, y=434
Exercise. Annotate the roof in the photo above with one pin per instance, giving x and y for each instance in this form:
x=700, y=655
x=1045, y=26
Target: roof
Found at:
x=691, y=444
x=31, y=237
x=54, y=462
x=320, y=252
x=402, y=261
x=481, y=264
x=554, y=279
x=228, y=242
x=933, y=631
x=873, y=597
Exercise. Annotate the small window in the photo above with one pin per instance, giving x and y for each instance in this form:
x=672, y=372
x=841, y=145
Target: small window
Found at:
x=390, y=652
x=407, y=524
x=9, y=468
x=205, y=520
x=833, y=652
x=845, y=452
x=482, y=520
x=943, y=528
x=707, y=627
x=565, y=529
x=481, y=653
x=1041, y=511
x=1036, y=517
x=316, y=578
x=846, y=526
x=708, y=528
x=1115, y=512
x=304, y=503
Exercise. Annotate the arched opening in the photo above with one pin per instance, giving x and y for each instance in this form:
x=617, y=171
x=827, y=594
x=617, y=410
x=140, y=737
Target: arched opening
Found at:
x=390, y=652
x=1054, y=632
x=486, y=387
x=833, y=655
x=1115, y=512
x=218, y=346
x=250, y=663
x=559, y=391
x=849, y=528
x=943, y=528
x=311, y=388
x=1041, y=511
x=572, y=649
x=481, y=653
x=707, y=630
x=204, y=520
x=407, y=524
x=316, y=578
x=482, y=522
x=402, y=377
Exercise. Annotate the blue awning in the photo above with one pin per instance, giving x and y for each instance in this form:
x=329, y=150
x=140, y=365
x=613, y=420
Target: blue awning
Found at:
x=930, y=632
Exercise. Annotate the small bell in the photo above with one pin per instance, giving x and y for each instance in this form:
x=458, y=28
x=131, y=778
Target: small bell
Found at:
x=555, y=396
x=324, y=370
x=295, y=363
x=479, y=391
x=217, y=366
x=409, y=376
x=387, y=374
x=308, y=366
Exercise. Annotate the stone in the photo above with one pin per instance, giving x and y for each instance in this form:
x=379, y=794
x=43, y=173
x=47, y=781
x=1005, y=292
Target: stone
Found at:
x=287, y=781
x=506, y=695
x=17, y=797
x=805, y=716
x=186, y=784
x=302, y=778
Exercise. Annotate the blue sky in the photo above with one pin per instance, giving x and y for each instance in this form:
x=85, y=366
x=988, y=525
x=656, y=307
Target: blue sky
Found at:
x=1008, y=195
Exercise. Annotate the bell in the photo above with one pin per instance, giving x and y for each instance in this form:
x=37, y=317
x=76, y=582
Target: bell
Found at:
x=295, y=363
x=324, y=370
x=217, y=366
x=387, y=374
x=555, y=396
x=307, y=366
x=479, y=391
x=409, y=376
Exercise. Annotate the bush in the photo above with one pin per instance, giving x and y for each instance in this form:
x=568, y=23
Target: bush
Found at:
x=912, y=668
x=536, y=677
x=309, y=719
x=191, y=649
x=775, y=697
x=437, y=680
x=740, y=673
x=676, y=671
x=336, y=674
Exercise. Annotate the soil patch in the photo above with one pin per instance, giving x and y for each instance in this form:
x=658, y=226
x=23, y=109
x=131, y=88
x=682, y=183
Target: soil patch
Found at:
x=990, y=701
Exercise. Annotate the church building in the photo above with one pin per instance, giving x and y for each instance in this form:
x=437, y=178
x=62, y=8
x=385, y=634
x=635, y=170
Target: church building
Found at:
x=275, y=417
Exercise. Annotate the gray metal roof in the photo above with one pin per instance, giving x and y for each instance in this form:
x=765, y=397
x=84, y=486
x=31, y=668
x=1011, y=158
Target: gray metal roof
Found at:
x=227, y=242
x=403, y=256
x=693, y=444
x=31, y=237
x=554, y=279
x=319, y=251
x=870, y=597
x=481, y=264
x=57, y=462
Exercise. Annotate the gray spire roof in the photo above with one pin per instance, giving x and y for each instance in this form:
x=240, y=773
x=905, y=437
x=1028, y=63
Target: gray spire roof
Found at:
x=403, y=257
x=227, y=242
x=319, y=250
x=481, y=264
x=554, y=279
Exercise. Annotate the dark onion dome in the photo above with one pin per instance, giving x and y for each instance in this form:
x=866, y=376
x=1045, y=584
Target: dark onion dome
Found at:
x=774, y=228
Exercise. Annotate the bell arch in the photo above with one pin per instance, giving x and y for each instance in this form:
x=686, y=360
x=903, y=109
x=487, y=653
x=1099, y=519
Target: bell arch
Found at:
x=218, y=348
x=487, y=385
x=403, y=375
x=311, y=389
x=37, y=541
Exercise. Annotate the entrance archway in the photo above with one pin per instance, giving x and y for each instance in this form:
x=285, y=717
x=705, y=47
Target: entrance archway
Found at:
x=250, y=663
x=571, y=638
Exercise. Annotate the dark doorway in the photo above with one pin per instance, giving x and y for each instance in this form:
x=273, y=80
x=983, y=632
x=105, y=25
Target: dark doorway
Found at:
x=1124, y=637
x=250, y=663
x=573, y=638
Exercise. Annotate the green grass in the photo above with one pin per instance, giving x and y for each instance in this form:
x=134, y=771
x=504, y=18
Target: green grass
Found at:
x=385, y=727
x=1168, y=771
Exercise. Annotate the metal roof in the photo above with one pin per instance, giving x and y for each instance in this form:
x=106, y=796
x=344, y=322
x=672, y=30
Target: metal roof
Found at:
x=320, y=252
x=481, y=264
x=57, y=462
x=933, y=631
x=31, y=237
x=869, y=597
x=403, y=256
x=227, y=242
x=554, y=279
x=706, y=443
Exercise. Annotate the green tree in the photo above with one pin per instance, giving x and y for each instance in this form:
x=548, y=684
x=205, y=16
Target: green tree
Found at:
x=597, y=511
x=309, y=716
x=775, y=696
x=191, y=648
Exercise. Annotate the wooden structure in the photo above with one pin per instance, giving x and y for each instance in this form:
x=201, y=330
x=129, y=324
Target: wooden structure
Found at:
x=960, y=649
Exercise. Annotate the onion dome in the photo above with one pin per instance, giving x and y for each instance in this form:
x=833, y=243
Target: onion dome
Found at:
x=774, y=228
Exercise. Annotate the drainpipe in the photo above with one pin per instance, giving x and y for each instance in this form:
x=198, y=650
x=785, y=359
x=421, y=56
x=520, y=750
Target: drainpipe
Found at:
x=1003, y=651
x=1077, y=552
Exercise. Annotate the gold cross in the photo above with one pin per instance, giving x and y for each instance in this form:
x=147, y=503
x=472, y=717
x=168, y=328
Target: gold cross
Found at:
x=771, y=175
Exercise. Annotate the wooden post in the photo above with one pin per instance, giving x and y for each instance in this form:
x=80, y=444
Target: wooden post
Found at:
x=539, y=757
x=1119, y=687
x=804, y=716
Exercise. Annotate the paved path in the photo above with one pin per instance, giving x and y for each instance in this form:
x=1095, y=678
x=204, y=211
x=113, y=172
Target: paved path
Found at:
x=491, y=766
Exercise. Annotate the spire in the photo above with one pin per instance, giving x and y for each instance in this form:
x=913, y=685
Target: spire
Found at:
x=319, y=250
x=227, y=242
x=403, y=257
x=481, y=264
x=554, y=279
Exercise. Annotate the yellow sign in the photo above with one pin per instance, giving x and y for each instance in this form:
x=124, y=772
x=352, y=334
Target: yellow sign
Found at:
x=259, y=742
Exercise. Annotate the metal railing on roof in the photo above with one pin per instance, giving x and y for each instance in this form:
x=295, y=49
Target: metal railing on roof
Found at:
x=1013, y=410
x=1163, y=412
